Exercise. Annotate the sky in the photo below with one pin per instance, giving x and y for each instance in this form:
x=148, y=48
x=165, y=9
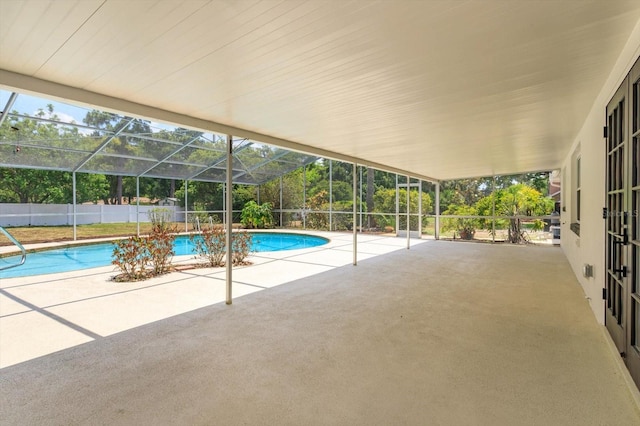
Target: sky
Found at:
x=29, y=105
x=26, y=104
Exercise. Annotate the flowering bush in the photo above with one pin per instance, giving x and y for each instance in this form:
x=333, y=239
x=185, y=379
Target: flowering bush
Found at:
x=211, y=246
x=240, y=246
x=160, y=248
x=131, y=256
x=143, y=257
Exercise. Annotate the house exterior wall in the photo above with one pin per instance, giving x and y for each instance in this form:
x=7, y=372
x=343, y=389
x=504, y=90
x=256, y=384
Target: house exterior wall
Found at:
x=589, y=247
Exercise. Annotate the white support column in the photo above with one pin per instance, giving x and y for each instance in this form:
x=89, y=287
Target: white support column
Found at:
x=437, y=224
x=355, y=228
x=493, y=209
x=229, y=217
x=408, y=216
x=224, y=205
x=138, y=206
x=186, y=206
x=330, y=195
x=304, y=197
x=420, y=208
x=360, y=198
x=75, y=222
x=397, y=208
x=281, y=202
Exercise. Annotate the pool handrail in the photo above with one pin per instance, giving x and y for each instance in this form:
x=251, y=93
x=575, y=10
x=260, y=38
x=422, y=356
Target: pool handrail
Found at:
x=20, y=246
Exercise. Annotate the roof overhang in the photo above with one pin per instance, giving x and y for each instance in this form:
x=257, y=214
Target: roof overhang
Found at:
x=435, y=89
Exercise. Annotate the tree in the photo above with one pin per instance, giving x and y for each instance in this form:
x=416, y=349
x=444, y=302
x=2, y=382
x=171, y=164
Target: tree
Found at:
x=516, y=201
x=537, y=180
x=292, y=191
x=31, y=186
x=385, y=202
x=50, y=186
x=464, y=191
x=121, y=146
x=202, y=195
x=255, y=215
x=317, y=203
x=465, y=226
x=24, y=185
x=89, y=187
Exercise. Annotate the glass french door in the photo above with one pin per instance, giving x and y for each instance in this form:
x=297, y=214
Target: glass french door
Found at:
x=622, y=286
x=617, y=226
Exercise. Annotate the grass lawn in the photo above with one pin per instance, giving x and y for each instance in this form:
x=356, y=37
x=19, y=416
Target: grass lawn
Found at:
x=47, y=234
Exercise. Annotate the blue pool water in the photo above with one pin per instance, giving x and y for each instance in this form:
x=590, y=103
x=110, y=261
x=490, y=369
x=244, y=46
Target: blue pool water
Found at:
x=94, y=255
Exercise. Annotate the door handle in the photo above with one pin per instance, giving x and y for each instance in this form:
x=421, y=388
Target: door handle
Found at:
x=622, y=272
x=622, y=239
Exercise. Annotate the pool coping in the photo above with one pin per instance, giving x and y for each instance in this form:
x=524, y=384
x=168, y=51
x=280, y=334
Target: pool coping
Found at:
x=7, y=251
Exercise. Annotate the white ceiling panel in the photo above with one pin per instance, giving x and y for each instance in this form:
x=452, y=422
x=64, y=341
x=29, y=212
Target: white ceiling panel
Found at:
x=438, y=88
x=32, y=31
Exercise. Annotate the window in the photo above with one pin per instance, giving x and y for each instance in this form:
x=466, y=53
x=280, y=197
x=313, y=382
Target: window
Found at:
x=578, y=190
x=563, y=188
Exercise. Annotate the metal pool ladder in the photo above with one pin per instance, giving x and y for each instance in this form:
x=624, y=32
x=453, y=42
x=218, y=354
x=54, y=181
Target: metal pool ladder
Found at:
x=17, y=243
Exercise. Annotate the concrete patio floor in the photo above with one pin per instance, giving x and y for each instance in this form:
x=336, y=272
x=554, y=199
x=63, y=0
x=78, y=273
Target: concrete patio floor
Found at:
x=46, y=313
x=444, y=334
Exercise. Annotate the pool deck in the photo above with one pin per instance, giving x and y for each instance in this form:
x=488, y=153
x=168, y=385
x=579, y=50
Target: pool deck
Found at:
x=43, y=314
x=10, y=250
x=444, y=334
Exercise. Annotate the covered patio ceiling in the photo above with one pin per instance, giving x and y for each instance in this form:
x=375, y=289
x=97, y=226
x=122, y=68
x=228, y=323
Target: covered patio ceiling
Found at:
x=439, y=89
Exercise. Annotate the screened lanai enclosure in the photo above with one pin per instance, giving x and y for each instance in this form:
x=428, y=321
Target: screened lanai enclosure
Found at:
x=43, y=134
x=186, y=171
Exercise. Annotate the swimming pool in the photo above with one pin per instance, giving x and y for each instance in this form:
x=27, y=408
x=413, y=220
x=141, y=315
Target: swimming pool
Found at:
x=95, y=255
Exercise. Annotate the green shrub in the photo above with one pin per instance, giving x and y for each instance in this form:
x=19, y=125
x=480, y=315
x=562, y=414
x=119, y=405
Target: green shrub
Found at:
x=342, y=217
x=314, y=219
x=255, y=215
x=466, y=227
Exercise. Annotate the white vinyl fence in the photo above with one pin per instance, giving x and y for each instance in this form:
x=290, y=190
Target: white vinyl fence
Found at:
x=13, y=214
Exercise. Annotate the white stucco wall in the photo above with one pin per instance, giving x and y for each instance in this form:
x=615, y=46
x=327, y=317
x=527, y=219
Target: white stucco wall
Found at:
x=589, y=248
